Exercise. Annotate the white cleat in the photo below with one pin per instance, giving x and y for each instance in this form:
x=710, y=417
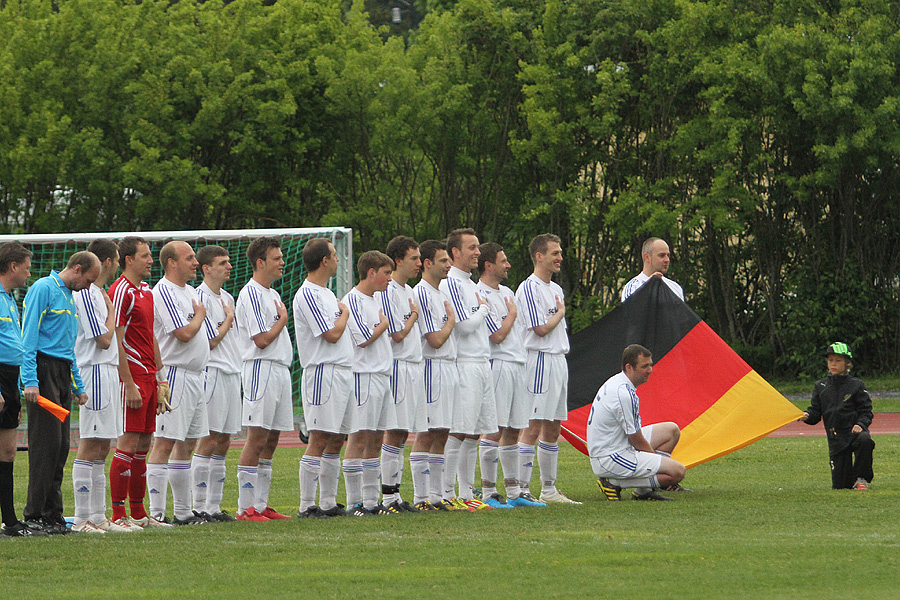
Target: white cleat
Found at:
x=149, y=522
x=87, y=527
x=558, y=497
x=120, y=526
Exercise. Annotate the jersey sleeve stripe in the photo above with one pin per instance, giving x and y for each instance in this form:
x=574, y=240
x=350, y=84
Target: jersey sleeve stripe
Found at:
x=456, y=297
x=171, y=306
x=310, y=297
x=90, y=312
x=492, y=326
x=357, y=312
x=393, y=324
x=256, y=307
x=426, y=312
x=532, y=305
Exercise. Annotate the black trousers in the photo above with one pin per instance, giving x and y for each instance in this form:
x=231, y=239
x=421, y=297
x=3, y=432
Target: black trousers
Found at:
x=48, y=440
x=854, y=462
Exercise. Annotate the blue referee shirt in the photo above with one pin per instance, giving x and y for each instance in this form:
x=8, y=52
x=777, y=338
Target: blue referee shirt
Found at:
x=11, y=348
x=49, y=325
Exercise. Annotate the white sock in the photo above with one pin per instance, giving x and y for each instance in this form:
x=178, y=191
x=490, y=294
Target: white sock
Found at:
x=180, y=482
x=200, y=478
x=82, y=483
x=526, y=464
x=157, y=488
x=247, y=477
x=418, y=466
x=353, y=472
x=98, y=491
x=548, y=459
x=509, y=460
x=465, y=472
x=451, y=462
x=391, y=468
x=328, y=480
x=217, y=475
x=489, y=456
x=310, y=468
x=435, y=478
x=370, y=479
x=263, y=483
x=641, y=485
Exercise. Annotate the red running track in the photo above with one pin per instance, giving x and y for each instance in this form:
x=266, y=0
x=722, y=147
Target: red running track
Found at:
x=883, y=424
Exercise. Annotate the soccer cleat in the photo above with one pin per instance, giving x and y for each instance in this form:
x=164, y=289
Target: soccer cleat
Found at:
x=446, y=505
x=271, y=514
x=150, y=522
x=525, y=499
x=313, y=512
x=460, y=505
x=251, y=515
x=861, y=484
x=425, y=506
x=335, y=511
x=405, y=507
x=497, y=501
x=651, y=495
x=557, y=497
x=382, y=510
x=358, y=510
x=191, y=520
x=476, y=504
x=612, y=492
x=205, y=516
x=121, y=525
x=21, y=529
x=675, y=487
x=222, y=517
x=87, y=527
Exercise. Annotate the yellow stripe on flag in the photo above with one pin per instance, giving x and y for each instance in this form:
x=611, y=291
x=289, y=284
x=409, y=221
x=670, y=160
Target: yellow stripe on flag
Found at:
x=751, y=409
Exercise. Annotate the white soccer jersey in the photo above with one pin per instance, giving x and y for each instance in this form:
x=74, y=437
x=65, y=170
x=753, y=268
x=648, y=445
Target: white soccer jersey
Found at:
x=395, y=306
x=377, y=356
x=173, y=308
x=432, y=316
x=92, y=315
x=640, y=279
x=537, y=302
x=471, y=332
x=316, y=311
x=226, y=356
x=615, y=414
x=256, y=313
x=512, y=349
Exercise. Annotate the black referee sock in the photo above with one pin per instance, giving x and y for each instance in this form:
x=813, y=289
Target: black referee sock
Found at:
x=7, y=508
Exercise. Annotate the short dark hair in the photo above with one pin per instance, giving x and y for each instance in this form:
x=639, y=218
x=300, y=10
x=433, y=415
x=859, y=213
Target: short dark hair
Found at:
x=631, y=354
x=314, y=252
x=128, y=246
x=454, y=239
x=207, y=254
x=399, y=246
x=83, y=259
x=489, y=252
x=540, y=243
x=429, y=248
x=373, y=259
x=104, y=248
x=259, y=248
x=168, y=252
x=12, y=252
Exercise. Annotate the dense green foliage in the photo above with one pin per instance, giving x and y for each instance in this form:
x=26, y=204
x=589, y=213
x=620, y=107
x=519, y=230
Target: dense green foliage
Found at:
x=760, y=138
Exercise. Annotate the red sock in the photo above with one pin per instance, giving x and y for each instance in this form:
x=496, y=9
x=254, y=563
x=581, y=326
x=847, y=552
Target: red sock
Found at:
x=138, y=486
x=119, y=475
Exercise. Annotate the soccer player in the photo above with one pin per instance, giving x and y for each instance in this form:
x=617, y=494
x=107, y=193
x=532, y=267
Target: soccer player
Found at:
x=508, y=371
x=139, y=365
x=372, y=361
x=475, y=410
x=547, y=376
x=326, y=355
x=441, y=376
x=624, y=454
x=655, y=255
x=406, y=410
x=266, y=377
x=184, y=352
x=49, y=329
x=221, y=385
x=15, y=268
x=100, y=419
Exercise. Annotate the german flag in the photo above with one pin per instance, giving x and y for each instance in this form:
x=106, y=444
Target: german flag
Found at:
x=698, y=381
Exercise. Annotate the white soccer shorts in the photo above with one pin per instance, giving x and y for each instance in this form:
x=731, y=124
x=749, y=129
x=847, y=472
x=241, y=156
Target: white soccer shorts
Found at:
x=547, y=383
x=327, y=390
x=370, y=393
x=101, y=417
x=630, y=463
x=475, y=411
x=268, y=402
x=441, y=391
x=513, y=405
x=222, y=393
x=188, y=418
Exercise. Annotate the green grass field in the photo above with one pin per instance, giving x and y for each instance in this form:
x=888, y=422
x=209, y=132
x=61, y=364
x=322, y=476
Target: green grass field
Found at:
x=762, y=523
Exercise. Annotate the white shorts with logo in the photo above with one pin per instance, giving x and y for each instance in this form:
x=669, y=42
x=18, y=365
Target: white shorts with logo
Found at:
x=188, y=418
x=101, y=417
x=629, y=463
x=399, y=411
x=222, y=392
x=327, y=390
x=268, y=401
x=410, y=385
x=441, y=391
x=371, y=391
x=513, y=405
x=475, y=411
x=547, y=383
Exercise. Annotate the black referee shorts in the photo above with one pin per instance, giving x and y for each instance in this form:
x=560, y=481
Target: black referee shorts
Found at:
x=9, y=387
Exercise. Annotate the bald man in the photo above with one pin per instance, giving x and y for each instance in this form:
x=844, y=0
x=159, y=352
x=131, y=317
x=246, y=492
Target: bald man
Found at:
x=655, y=254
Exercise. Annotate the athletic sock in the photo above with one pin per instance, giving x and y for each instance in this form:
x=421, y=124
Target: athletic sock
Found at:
x=418, y=466
x=98, y=491
x=7, y=505
x=509, y=460
x=489, y=456
x=548, y=460
x=137, y=485
x=353, y=473
x=371, y=473
x=329, y=475
x=200, y=481
x=247, y=477
x=119, y=481
x=157, y=488
x=310, y=469
x=263, y=483
x=465, y=472
x=217, y=475
x=436, y=467
x=180, y=482
x=391, y=469
x=82, y=482
x=451, y=462
x=526, y=464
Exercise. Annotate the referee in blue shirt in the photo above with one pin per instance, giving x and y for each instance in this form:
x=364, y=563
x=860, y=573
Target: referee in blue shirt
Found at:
x=49, y=328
